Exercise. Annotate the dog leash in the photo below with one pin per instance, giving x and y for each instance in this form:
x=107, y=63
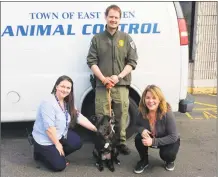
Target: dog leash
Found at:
x=110, y=109
x=109, y=100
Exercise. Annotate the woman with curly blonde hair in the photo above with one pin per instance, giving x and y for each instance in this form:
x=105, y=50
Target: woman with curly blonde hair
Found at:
x=156, y=128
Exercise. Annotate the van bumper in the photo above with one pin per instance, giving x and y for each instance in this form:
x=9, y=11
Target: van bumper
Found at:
x=187, y=104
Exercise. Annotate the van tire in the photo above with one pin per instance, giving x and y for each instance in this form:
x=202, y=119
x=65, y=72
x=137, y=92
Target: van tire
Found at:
x=88, y=109
x=133, y=112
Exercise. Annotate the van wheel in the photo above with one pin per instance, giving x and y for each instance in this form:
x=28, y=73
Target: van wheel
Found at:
x=133, y=113
x=88, y=109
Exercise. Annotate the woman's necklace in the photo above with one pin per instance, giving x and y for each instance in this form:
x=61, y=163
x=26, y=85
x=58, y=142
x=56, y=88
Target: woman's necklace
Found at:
x=64, y=110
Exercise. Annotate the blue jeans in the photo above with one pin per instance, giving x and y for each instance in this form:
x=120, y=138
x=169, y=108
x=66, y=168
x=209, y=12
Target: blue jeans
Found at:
x=51, y=156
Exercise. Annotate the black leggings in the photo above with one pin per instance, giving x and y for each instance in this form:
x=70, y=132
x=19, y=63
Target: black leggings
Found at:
x=167, y=153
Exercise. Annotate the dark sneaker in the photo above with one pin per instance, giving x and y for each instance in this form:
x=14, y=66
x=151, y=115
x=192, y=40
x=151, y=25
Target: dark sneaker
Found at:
x=123, y=149
x=170, y=166
x=140, y=167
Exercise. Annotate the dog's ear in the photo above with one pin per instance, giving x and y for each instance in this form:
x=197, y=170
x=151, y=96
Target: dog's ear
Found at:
x=96, y=119
x=104, y=118
x=93, y=119
x=109, y=118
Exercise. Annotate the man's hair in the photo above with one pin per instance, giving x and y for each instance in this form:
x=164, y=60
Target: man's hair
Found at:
x=114, y=7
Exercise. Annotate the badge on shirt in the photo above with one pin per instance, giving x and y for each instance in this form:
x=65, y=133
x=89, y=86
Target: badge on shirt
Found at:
x=121, y=43
x=132, y=44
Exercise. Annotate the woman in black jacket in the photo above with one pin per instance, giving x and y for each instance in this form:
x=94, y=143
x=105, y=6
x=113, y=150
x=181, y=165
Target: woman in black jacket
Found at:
x=156, y=128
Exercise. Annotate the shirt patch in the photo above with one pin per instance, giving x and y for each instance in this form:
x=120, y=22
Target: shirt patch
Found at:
x=121, y=43
x=132, y=44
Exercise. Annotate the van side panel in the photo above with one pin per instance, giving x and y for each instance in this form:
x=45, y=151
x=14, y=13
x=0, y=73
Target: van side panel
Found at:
x=159, y=61
x=184, y=50
x=43, y=40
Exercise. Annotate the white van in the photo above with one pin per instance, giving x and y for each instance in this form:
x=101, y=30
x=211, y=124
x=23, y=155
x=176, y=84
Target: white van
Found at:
x=44, y=40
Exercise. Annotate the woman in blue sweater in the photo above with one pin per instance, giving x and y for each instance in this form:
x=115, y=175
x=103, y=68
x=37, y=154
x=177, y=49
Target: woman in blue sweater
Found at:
x=156, y=128
x=52, y=136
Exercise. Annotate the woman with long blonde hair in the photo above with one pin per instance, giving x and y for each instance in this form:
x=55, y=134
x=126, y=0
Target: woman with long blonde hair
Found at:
x=156, y=128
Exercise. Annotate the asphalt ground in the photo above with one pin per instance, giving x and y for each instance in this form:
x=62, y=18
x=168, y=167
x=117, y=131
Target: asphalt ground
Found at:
x=196, y=157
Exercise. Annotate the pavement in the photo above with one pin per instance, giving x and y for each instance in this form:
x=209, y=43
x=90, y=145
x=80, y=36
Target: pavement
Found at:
x=196, y=157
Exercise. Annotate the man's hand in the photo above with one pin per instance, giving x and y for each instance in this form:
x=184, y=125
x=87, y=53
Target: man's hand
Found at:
x=108, y=82
x=115, y=79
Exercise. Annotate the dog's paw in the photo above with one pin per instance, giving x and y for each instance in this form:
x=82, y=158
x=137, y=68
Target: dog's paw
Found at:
x=116, y=161
x=111, y=168
x=99, y=166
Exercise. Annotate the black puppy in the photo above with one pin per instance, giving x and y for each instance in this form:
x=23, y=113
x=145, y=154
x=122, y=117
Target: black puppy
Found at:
x=105, y=141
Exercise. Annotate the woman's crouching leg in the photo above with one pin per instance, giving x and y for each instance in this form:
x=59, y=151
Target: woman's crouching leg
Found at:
x=168, y=153
x=142, y=150
x=50, y=156
x=72, y=143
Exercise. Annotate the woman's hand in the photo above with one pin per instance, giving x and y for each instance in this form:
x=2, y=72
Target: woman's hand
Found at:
x=51, y=132
x=94, y=129
x=147, y=141
x=60, y=149
x=145, y=133
x=83, y=121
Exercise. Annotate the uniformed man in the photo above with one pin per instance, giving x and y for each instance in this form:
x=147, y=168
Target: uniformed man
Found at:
x=112, y=56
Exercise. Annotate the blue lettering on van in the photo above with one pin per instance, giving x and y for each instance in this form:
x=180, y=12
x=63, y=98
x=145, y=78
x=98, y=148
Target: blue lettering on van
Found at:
x=88, y=15
x=92, y=29
x=87, y=29
x=44, y=15
x=140, y=28
x=41, y=30
x=129, y=28
x=38, y=30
